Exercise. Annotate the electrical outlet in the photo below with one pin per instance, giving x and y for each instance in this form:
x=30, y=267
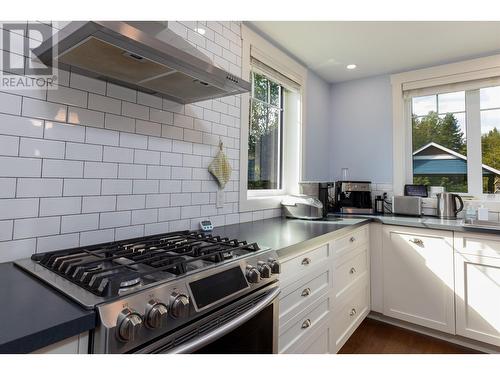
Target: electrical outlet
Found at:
x=219, y=202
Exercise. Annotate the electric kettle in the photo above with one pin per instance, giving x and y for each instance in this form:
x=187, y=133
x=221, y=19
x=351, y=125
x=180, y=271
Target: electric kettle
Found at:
x=447, y=205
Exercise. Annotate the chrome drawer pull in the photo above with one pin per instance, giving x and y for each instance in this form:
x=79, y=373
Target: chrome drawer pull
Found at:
x=306, y=292
x=307, y=323
x=353, y=312
x=352, y=239
x=306, y=261
x=352, y=270
x=418, y=242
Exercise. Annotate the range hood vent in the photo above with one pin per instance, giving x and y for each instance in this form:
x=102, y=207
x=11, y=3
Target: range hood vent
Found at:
x=146, y=56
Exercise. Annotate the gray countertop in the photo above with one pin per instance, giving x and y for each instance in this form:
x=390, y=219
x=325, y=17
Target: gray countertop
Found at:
x=33, y=315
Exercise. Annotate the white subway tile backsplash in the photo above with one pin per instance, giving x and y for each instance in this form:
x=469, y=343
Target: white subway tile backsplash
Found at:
x=6, y=227
x=159, y=144
x=44, y=110
x=145, y=186
x=119, y=123
x=129, y=232
x=170, y=186
x=96, y=236
x=10, y=104
x=62, y=168
x=144, y=216
x=157, y=200
x=180, y=199
x=118, y=154
x=19, y=167
x=13, y=125
x=120, y=92
x=78, y=81
x=149, y=100
x=156, y=228
x=60, y=206
x=114, y=219
x=79, y=223
x=170, y=213
x=105, y=104
x=189, y=186
x=69, y=96
x=131, y=171
x=64, y=132
x=81, y=116
x=82, y=151
x=183, y=121
x=158, y=172
x=101, y=136
x=39, y=187
x=170, y=158
x=148, y=128
x=98, y=204
x=160, y=116
x=172, y=132
x=110, y=187
x=181, y=173
x=146, y=157
x=7, y=187
x=41, y=148
x=79, y=187
x=36, y=227
x=13, y=250
x=130, y=202
x=9, y=145
x=52, y=243
x=100, y=170
x=135, y=110
x=133, y=141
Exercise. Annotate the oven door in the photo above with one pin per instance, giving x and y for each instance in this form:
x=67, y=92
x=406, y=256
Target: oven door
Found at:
x=248, y=326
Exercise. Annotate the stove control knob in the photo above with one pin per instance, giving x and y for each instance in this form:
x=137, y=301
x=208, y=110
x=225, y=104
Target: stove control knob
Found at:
x=253, y=274
x=156, y=314
x=264, y=269
x=275, y=265
x=179, y=305
x=129, y=323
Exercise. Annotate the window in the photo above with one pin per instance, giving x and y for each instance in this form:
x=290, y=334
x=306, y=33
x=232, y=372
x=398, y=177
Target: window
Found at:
x=265, y=141
x=490, y=138
x=439, y=142
x=446, y=150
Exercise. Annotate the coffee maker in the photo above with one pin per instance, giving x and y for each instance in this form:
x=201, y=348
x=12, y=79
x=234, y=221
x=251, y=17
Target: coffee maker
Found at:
x=353, y=197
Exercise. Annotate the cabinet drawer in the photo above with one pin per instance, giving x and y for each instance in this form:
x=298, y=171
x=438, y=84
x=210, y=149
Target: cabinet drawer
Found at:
x=477, y=244
x=295, y=267
x=303, y=324
x=347, y=316
x=300, y=294
x=317, y=342
x=349, y=270
x=350, y=241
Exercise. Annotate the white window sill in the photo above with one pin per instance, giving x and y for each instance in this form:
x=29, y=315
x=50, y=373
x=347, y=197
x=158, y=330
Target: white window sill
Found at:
x=260, y=203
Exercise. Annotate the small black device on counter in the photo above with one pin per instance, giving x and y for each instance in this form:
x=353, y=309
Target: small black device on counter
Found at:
x=416, y=191
x=379, y=205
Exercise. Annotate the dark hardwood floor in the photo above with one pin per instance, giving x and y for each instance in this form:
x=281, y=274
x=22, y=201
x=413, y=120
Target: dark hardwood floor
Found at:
x=374, y=337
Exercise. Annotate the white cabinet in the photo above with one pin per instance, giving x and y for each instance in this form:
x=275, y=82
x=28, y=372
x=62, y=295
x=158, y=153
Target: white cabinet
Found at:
x=477, y=287
x=72, y=345
x=418, y=284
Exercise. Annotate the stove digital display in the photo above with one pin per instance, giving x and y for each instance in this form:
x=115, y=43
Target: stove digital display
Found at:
x=214, y=288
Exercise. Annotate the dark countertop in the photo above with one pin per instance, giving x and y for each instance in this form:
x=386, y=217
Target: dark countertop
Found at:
x=283, y=234
x=34, y=315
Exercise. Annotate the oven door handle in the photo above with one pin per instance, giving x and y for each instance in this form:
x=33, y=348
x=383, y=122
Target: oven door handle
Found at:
x=211, y=336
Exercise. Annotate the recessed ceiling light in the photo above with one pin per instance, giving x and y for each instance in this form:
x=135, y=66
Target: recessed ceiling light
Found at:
x=200, y=30
x=351, y=66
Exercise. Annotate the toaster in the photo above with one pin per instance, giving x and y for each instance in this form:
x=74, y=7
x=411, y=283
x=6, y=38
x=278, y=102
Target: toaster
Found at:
x=407, y=205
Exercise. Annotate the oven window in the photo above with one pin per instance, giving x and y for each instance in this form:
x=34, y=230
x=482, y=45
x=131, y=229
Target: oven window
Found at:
x=253, y=337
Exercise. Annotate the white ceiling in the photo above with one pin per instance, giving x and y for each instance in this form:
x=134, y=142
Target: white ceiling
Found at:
x=380, y=47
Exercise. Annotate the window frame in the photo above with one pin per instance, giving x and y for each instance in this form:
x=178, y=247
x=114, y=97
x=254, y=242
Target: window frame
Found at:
x=455, y=76
x=255, y=46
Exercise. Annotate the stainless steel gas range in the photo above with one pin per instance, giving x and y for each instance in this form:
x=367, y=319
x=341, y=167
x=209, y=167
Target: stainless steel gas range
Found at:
x=181, y=292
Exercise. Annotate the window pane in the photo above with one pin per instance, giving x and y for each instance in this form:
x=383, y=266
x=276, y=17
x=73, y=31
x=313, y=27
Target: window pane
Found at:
x=439, y=151
x=490, y=97
x=260, y=87
x=422, y=105
x=490, y=149
x=451, y=102
x=264, y=156
x=275, y=94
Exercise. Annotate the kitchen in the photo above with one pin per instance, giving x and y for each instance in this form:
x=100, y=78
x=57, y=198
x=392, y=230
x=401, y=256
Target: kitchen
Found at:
x=236, y=187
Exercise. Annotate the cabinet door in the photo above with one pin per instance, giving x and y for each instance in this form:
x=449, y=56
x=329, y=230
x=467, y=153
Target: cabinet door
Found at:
x=477, y=286
x=418, y=277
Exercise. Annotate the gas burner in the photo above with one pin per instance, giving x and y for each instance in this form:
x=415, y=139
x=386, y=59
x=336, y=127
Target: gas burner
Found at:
x=116, y=268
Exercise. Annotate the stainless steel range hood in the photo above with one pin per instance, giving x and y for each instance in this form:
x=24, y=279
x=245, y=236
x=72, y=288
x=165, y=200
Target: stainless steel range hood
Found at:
x=146, y=56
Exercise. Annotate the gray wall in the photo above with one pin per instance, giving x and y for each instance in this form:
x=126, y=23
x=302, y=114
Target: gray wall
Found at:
x=316, y=133
x=361, y=129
